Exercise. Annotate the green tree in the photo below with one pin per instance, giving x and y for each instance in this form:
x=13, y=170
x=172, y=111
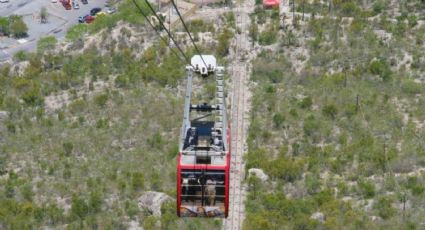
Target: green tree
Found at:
x=43, y=15
x=17, y=26
x=4, y=26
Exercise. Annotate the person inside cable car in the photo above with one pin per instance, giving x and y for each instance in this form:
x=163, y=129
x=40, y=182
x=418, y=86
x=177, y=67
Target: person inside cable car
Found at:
x=210, y=191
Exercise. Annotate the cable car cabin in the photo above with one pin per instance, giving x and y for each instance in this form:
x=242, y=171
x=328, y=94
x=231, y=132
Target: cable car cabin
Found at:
x=204, y=156
x=267, y=4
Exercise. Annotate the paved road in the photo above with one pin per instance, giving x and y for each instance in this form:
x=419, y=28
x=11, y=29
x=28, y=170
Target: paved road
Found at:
x=59, y=21
x=240, y=119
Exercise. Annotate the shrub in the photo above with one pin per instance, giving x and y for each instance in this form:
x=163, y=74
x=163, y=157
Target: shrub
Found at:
x=121, y=81
x=137, y=181
x=46, y=44
x=32, y=97
x=384, y=207
x=68, y=147
x=411, y=87
x=366, y=188
x=378, y=6
x=412, y=20
x=278, y=119
x=76, y=32
x=95, y=202
x=349, y=9
x=79, y=207
x=311, y=126
x=101, y=99
x=306, y=103
x=27, y=192
x=21, y=55
x=330, y=111
x=267, y=38
x=381, y=68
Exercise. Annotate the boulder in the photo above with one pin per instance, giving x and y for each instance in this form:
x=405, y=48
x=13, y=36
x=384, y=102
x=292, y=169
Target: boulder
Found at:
x=318, y=216
x=3, y=115
x=259, y=173
x=152, y=201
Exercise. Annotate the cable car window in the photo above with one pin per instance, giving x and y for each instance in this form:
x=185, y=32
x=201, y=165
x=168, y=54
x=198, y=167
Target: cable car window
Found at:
x=203, y=190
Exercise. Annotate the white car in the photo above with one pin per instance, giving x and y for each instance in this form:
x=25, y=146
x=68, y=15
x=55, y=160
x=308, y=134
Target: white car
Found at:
x=111, y=10
x=54, y=1
x=4, y=1
x=75, y=5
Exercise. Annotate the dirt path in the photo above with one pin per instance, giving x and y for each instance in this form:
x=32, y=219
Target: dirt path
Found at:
x=240, y=70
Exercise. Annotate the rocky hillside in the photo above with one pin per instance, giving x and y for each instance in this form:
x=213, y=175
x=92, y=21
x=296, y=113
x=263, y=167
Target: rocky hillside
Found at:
x=337, y=117
x=89, y=129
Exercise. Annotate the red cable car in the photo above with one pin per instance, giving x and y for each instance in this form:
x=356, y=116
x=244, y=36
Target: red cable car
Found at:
x=204, y=152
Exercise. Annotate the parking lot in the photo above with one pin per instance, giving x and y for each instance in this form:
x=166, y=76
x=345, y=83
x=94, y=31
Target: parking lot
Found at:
x=59, y=20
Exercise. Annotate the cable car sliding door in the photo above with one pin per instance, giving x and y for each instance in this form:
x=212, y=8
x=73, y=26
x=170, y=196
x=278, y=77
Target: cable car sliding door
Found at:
x=202, y=193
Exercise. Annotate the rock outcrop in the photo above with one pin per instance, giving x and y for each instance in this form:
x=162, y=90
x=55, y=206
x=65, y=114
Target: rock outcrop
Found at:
x=152, y=201
x=318, y=216
x=3, y=115
x=259, y=173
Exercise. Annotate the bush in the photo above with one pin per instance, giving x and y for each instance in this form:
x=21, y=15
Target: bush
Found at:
x=68, y=147
x=137, y=181
x=224, y=42
x=384, y=207
x=366, y=188
x=33, y=97
x=381, y=68
x=349, y=9
x=330, y=111
x=411, y=87
x=121, y=81
x=79, y=207
x=95, y=202
x=378, y=6
x=311, y=126
x=101, y=99
x=278, y=119
x=46, y=44
x=267, y=38
x=76, y=32
x=306, y=103
x=21, y=55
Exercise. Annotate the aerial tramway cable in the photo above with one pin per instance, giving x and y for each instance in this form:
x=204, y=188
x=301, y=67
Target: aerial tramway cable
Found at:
x=187, y=31
x=168, y=32
x=186, y=59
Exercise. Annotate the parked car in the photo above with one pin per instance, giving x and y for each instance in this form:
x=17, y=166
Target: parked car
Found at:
x=111, y=10
x=84, y=1
x=89, y=19
x=94, y=11
x=85, y=19
x=75, y=5
x=82, y=19
x=54, y=1
x=101, y=13
x=4, y=1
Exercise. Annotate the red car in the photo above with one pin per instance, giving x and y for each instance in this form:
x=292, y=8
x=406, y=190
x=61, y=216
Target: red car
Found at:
x=66, y=4
x=89, y=19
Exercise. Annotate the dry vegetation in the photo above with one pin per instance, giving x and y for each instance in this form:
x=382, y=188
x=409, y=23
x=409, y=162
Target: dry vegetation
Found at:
x=337, y=116
x=89, y=125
